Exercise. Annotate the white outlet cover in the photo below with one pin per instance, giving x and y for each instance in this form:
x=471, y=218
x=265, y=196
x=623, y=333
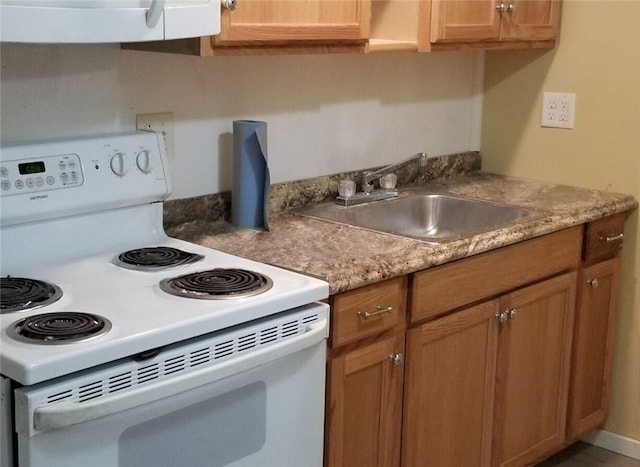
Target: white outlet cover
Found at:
x=558, y=110
x=161, y=123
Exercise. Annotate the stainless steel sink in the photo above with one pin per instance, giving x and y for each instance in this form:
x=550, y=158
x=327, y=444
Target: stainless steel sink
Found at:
x=426, y=216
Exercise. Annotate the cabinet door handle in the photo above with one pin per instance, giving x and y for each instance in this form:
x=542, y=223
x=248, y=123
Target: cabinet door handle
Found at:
x=511, y=7
x=593, y=283
x=370, y=314
x=613, y=238
x=229, y=4
x=396, y=358
x=501, y=7
x=502, y=317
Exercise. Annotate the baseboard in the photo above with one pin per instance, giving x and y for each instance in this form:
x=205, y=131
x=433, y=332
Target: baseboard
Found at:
x=613, y=442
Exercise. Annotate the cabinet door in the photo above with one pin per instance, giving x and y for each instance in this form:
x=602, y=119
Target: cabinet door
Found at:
x=494, y=20
x=464, y=20
x=593, y=347
x=294, y=20
x=533, y=371
x=531, y=20
x=449, y=390
x=364, y=406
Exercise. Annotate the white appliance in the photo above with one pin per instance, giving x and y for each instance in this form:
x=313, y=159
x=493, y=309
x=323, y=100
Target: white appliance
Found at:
x=199, y=358
x=103, y=21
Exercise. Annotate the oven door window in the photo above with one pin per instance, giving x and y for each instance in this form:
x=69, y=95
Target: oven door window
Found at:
x=215, y=432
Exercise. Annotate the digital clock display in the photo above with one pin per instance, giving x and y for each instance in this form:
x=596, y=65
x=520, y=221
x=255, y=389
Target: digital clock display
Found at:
x=30, y=168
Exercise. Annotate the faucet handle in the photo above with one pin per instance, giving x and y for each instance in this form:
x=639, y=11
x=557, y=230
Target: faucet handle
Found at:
x=388, y=182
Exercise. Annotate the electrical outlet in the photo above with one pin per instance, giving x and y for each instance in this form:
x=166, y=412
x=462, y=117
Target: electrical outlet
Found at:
x=161, y=123
x=558, y=110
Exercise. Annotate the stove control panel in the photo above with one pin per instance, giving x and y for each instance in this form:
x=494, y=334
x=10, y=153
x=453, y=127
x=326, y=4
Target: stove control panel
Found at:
x=41, y=174
x=80, y=176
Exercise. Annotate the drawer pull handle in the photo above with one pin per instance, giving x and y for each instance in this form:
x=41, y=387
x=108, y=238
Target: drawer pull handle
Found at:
x=379, y=311
x=614, y=238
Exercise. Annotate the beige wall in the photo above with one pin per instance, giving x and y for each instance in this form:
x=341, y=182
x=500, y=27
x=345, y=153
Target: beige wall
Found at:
x=598, y=59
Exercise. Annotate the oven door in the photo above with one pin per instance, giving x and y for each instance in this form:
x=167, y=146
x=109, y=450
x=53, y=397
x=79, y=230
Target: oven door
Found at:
x=269, y=412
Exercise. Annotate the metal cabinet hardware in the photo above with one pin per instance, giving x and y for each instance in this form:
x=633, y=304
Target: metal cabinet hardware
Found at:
x=503, y=316
x=396, y=358
x=503, y=7
x=379, y=311
x=613, y=238
x=593, y=283
x=229, y=4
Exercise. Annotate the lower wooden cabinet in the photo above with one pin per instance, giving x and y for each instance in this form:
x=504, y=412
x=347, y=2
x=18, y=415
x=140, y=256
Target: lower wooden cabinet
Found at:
x=534, y=353
x=593, y=347
x=488, y=385
x=450, y=380
x=497, y=373
x=364, y=405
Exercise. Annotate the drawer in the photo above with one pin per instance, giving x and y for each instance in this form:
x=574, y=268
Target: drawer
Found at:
x=367, y=311
x=603, y=238
x=441, y=289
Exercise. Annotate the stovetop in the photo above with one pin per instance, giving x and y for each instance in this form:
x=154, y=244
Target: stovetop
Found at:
x=143, y=316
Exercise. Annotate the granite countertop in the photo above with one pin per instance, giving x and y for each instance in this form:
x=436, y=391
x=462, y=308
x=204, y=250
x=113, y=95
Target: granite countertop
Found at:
x=349, y=257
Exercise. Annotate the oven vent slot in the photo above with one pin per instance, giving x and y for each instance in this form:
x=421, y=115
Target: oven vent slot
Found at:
x=120, y=382
x=174, y=365
x=59, y=396
x=199, y=357
x=247, y=342
x=268, y=335
x=90, y=391
x=148, y=373
x=223, y=349
x=310, y=319
x=289, y=329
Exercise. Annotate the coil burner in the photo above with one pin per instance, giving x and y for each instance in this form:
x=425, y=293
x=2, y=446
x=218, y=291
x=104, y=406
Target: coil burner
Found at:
x=154, y=258
x=59, y=328
x=21, y=294
x=217, y=284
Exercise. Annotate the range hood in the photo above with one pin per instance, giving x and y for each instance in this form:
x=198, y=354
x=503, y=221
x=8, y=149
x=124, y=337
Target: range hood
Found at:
x=103, y=21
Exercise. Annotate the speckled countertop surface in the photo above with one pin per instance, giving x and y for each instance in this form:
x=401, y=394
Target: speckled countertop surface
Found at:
x=349, y=257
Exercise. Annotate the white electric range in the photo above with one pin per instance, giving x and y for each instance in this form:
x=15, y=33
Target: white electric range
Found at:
x=83, y=251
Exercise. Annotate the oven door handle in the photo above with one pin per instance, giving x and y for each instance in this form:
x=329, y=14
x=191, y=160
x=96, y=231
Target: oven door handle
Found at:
x=64, y=414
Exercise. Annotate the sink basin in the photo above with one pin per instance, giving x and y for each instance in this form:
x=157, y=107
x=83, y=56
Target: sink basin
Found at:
x=426, y=216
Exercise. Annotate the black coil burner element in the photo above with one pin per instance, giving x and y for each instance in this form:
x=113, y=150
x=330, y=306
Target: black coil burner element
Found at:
x=60, y=328
x=20, y=294
x=218, y=283
x=157, y=257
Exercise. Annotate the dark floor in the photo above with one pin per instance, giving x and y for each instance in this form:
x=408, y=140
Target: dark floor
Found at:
x=586, y=455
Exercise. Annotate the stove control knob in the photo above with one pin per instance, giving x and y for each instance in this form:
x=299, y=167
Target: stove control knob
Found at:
x=143, y=161
x=118, y=164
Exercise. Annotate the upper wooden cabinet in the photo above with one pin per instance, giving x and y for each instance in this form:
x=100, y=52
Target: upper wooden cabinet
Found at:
x=286, y=21
x=491, y=21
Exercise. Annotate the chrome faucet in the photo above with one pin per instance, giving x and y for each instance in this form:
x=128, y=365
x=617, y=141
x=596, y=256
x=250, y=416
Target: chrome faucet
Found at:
x=369, y=177
x=368, y=194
